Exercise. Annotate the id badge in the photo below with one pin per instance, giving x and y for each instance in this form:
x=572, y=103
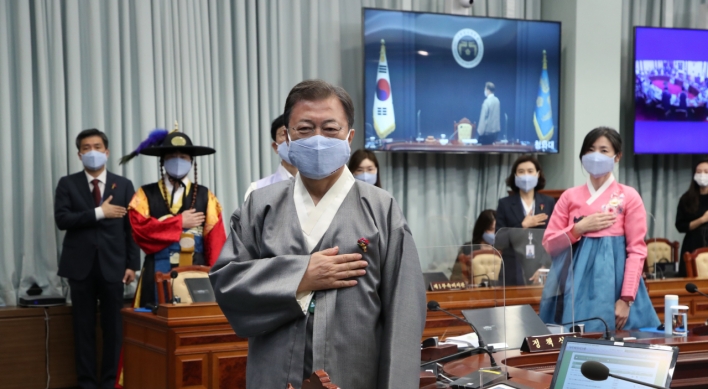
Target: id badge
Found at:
x=530, y=251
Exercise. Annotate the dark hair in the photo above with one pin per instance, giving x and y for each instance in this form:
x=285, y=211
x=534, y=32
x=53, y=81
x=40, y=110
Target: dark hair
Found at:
x=489, y=86
x=277, y=123
x=610, y=133
x=511, y=180
x=359, y=156
x=483, y=223
x=690, y=199
x=91, y=132
x=317, y=90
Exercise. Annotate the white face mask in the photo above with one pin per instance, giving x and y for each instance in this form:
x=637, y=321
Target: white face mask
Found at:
x=177, y=167
x=369, y=178
x=598, y=164
x=318, y=156
x=94, y=160
x=701, y=179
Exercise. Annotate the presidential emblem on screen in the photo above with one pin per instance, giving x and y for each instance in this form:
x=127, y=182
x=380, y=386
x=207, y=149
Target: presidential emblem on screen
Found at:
x=467, y=48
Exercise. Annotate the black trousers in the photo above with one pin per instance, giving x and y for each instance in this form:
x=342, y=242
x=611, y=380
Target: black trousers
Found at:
x=488, y=139
x=84, y=295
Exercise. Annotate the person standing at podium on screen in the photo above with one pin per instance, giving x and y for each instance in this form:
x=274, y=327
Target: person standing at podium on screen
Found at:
x=489, y=118
x=99, y=256
x=606, y=222
x=321, y=272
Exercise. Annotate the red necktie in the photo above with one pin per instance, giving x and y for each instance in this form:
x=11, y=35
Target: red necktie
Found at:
x=96, y=192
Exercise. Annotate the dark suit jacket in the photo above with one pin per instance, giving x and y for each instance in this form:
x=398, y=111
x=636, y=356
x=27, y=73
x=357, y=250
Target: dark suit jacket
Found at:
x=512, y=241
x=666, y=99
x=510, y=212
x=109, y=240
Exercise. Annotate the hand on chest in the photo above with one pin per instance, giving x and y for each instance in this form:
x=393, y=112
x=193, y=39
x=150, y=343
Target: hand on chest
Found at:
x=614, y=203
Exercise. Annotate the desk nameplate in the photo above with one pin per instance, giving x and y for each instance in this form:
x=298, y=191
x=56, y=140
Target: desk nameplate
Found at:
x=438, y=286
x=543, y=343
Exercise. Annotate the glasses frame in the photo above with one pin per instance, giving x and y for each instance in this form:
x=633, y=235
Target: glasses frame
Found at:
x=313, y=131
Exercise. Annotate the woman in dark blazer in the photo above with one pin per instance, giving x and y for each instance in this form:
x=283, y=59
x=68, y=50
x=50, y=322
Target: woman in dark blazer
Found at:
x=524, y=208
x=692, y=214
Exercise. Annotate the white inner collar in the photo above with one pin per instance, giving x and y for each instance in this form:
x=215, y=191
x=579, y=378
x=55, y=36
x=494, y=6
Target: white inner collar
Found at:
x=316, y=219
x=594, y=194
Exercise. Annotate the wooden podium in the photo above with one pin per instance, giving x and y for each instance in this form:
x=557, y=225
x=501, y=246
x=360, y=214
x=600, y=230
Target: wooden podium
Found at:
x=183, y=346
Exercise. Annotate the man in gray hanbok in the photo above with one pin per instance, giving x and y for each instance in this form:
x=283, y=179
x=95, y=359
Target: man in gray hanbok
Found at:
x=321, y=272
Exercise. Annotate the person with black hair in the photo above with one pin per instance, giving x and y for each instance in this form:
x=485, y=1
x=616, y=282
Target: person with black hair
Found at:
x=606, y=223
x=482, y=234
x=285, y=170
x=175, y=222
x=692, y=214
x=365, y=167
x=99, y=256
x=524, y=208
x=321, y=272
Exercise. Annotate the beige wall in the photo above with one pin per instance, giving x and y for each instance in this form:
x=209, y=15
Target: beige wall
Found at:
x=590, y=79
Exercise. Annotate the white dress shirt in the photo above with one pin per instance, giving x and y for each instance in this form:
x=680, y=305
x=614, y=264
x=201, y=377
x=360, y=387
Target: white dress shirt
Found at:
x=101, y=188
x=179, y=192
x=281, y=174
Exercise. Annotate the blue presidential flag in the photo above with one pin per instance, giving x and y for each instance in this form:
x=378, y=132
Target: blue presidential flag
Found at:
x=543, y=116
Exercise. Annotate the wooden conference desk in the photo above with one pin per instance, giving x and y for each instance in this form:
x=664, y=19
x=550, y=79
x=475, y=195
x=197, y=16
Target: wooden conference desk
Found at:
x=440, y=324
x=192, y=345
x=184, y=345
x=536, y=370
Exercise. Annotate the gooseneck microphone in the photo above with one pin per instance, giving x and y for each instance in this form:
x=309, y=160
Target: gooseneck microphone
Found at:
x=692, y=288
x=489, y=280
x=173, y=275
x=596, y=371
x=434, y=306
x=607, y=335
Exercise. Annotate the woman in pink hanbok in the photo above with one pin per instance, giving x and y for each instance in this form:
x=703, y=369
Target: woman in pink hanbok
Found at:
x=605, y=222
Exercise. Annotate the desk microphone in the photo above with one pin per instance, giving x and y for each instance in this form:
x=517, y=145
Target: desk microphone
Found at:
x=434, y=306
x=596, y=371
x=692, y=288
x=607, y=328
x=489, y=280
x=173, y=275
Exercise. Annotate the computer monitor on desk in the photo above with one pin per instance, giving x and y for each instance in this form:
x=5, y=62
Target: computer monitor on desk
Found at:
x=643, y=362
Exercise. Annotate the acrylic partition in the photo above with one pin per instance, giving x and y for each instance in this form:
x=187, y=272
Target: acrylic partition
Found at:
x=662, y=257
x=453, y=276
x=532, y=263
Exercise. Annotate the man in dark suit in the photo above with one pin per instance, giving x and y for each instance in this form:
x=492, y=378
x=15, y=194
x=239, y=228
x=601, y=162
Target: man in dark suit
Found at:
x=98, y=256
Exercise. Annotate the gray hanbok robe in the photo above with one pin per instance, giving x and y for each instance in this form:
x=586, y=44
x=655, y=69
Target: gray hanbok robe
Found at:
x=366, y=336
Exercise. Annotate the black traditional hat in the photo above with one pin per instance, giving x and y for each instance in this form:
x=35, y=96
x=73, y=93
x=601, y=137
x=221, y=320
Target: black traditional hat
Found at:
x=160, y=142
x=177, y=141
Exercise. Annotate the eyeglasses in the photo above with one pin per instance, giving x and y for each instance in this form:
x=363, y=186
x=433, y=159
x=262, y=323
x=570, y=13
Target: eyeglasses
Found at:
x=328, y=130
